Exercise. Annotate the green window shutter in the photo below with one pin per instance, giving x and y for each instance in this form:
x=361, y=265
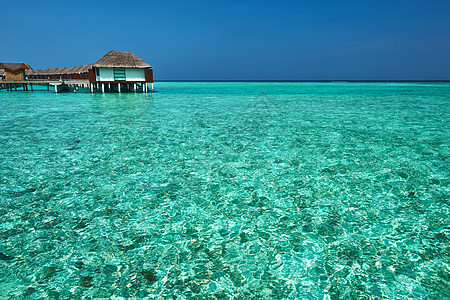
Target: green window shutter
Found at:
x=119, y=74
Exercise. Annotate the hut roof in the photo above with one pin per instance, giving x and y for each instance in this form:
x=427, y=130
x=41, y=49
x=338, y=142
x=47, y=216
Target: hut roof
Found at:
x=13, y=67
x=121, y=59
x=28, y=66
x=59, y=71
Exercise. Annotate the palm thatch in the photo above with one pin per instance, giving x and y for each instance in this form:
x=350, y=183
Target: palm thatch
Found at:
x=59, y=71
x=121, y=59
x=14, y=67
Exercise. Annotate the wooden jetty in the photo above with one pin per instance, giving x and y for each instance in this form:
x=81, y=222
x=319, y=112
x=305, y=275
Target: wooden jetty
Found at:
x=58, y=85
x=117, y=71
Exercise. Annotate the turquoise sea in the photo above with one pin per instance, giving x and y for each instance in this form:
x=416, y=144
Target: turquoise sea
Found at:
x=230, y=190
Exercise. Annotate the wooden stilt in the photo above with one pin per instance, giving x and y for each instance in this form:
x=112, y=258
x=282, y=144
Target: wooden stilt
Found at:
x=103, y=88
x=118, y=85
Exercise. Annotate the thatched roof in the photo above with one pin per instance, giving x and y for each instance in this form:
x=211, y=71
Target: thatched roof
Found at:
x=113, y=59
x=121, y=59
x=58, y=71
x=13, y=67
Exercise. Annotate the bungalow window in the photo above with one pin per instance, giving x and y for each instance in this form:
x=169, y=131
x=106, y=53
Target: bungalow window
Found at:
x=119, y=74
x=97, y=71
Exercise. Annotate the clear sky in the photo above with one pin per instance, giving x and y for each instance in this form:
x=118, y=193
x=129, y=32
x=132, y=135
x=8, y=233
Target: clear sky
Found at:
x=238, y=39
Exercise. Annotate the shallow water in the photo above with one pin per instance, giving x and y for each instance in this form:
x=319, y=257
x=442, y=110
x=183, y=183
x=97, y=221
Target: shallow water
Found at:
x=227, y=191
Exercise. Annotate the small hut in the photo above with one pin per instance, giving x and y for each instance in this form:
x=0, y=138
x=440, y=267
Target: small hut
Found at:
x=119, y=71
x=14, y=71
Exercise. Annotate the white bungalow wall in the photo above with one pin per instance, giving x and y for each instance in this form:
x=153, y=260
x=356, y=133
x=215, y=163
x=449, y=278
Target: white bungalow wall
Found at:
x=131, y=74
x=106, y=74
x=135, y=74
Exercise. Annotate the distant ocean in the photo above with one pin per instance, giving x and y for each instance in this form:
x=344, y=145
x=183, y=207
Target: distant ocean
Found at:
x=227, y=190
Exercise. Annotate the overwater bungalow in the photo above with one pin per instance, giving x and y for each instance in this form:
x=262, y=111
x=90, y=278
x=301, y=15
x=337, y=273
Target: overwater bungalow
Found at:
x=120, y=71
x=14, y=71
x=78, y=72
x=117, y=71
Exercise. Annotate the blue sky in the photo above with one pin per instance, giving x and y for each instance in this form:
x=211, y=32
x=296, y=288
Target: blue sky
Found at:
x=238, y=40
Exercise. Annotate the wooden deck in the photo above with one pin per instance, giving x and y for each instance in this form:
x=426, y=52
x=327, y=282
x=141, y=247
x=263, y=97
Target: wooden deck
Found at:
x=44, y=81
x=64, y=85
x=59, y=85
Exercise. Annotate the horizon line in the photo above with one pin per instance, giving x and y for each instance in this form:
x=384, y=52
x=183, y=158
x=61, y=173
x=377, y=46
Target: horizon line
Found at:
x=307, y=80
